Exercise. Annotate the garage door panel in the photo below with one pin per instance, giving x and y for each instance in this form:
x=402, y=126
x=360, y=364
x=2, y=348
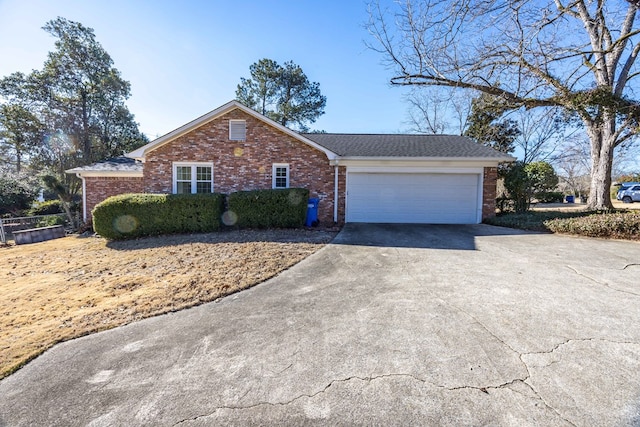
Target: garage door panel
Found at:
x=412, y=198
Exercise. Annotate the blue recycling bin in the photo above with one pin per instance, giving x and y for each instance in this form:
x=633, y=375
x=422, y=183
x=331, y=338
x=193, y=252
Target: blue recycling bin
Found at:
x=570, y=199
x=312, y=213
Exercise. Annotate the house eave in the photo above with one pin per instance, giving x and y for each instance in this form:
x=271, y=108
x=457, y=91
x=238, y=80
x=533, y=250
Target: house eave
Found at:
x=471, y=161
x=81, y=173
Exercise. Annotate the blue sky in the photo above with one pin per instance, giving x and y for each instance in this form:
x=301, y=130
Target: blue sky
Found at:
x=185, y=58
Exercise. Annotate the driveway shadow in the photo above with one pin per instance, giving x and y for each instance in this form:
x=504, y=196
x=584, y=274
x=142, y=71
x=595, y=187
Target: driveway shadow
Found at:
x=426, y=236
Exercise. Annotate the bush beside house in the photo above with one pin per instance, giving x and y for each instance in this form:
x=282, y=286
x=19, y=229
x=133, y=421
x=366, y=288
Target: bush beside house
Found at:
x=136, y=215
x=283, y=208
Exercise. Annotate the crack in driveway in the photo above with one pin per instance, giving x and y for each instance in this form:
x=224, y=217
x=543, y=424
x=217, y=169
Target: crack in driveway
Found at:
x=302, y=396
x=594, y=280
x=369, y=379
x=567, y=341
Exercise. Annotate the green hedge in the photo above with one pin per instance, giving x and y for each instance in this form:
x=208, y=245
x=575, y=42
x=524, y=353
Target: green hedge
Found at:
x=136, y=215
x=620, y=225
x=282, y=208
x=550, y=197
x=48, y=207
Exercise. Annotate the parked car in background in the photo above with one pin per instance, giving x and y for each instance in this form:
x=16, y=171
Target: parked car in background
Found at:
x=629, y=192
x=622, y=186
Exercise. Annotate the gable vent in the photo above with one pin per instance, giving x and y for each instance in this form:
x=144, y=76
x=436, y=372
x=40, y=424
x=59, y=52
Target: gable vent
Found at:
x=237, y=130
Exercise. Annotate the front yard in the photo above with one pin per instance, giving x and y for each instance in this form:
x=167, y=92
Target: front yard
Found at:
x=65, y=288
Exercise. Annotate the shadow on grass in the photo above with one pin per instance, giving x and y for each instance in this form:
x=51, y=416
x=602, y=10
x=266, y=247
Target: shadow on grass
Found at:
x=318, y=236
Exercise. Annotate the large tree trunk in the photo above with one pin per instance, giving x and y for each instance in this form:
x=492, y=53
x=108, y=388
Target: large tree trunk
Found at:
x=602, y=144
x=18, y=161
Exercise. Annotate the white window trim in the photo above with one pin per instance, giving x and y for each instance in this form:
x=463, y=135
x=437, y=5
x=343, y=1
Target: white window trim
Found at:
x=194, y=165
x=233, y=137
x=273, y=174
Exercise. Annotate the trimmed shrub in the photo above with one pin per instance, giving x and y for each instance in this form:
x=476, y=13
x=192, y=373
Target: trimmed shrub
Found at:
x=48, y=207
x=135, y=215
x=617, y=225
x=281, y=208
x=550, y=197
x=620, y=225
x=531, y=220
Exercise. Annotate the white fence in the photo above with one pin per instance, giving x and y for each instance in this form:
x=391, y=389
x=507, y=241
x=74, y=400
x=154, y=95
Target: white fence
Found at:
x=9, y=225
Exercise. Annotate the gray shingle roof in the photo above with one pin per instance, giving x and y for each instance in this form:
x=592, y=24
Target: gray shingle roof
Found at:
x=398, y=145
x=120, y=164
x=356, y=145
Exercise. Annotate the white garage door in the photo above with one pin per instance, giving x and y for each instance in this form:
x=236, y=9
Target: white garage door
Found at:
x=413, y=198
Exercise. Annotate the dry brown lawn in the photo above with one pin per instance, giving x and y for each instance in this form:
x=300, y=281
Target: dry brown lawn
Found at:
x=65, y=288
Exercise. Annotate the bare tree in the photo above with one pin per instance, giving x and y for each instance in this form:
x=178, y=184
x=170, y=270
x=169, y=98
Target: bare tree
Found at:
x=576, y=55
x=626, y=160
x=541, y=133
x=437, y=111
x=574, y=165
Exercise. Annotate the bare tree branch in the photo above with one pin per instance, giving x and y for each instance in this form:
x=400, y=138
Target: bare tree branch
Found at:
x=577, y=55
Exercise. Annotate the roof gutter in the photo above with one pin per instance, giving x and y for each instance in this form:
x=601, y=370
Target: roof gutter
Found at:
x=427, y=159
x=83, y=173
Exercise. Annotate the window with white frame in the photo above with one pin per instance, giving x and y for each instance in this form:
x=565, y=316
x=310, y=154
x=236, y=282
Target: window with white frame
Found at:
x=191, y=178
x=280, y=175
x=237, y=130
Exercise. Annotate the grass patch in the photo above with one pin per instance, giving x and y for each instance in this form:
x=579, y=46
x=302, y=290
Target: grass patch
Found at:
x=66, y=288
x=616, y=225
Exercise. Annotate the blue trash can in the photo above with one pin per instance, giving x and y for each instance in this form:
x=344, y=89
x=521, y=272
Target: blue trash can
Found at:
x=312, y=213
x=570, y=199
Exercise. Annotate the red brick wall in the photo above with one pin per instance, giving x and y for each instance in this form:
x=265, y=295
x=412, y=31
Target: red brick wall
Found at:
x=99, y=188
x=489, y=192
x=342, y=191
x=246, y=165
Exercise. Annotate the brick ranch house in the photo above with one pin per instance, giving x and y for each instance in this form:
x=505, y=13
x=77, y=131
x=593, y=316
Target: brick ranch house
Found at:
x=357, y=177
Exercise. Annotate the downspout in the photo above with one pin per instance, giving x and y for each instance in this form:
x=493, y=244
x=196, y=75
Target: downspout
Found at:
x=335, y=193
x=84, y=197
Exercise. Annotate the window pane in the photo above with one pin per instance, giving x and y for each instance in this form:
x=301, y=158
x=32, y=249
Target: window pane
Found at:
x=280, y=176
x=203, y=187
x=183, y=173
x=203, y=173
x=183, y=187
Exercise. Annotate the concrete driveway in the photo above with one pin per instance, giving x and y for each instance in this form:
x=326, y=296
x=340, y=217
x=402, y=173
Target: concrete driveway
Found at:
x=389, y=325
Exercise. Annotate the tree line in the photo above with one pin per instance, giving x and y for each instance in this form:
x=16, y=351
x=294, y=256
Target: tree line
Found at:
x=69, y=113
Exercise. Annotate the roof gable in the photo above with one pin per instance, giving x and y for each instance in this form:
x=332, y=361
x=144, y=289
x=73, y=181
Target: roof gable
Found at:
x=219, y=112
